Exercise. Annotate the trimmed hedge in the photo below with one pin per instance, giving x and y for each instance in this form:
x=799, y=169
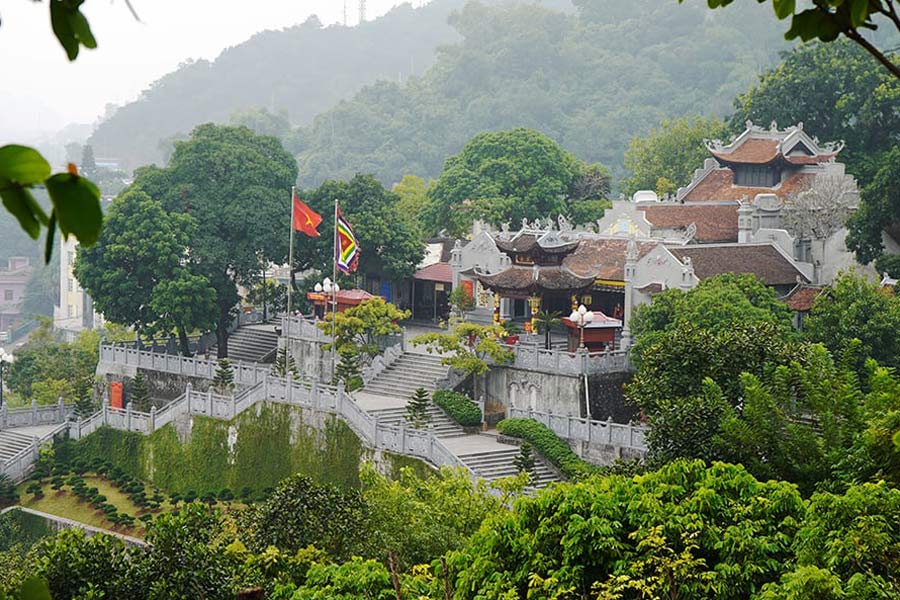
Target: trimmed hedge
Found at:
x=460, y=408
x=548, y=445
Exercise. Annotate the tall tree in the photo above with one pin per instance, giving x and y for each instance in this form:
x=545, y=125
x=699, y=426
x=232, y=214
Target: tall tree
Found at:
x=665, y=159
x=235, y=185
x=139, y=274
x=878, y=214
x=503, y=176
x=838, y=93
x=826, y=20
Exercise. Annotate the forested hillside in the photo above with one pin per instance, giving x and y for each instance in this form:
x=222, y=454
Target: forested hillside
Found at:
x=591, y=80
x=302, y=70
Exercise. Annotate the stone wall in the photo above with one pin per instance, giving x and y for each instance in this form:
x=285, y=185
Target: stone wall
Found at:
x=311, y=360
x=607, y=398
x=164, y=387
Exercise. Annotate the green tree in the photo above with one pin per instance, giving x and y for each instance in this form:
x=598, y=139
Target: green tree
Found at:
x=49, y=369
x=347, y=369
x=715, y=305
x=680, y=543
x=502, y=177
x=358, y=328
x=461, y=300
x=467, y=348
x=88, y=164
x=262, y=122
x=665, y=159
x=300, y=513
x=826, y=21
x=285, y=366
x=417, y=409
x=412, y=200
x=140, y=393
x=223, y=380
x=137, y=274
x=877, y=213
x=270, y=294
x=855, y=103
x=854, y=308
x=391, y=248
x=84, y=404
x=233, y=185
x=524, y=460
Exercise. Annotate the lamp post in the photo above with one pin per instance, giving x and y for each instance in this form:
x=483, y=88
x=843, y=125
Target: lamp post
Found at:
x=5, y=359
x=331, y=288
x=581, y=317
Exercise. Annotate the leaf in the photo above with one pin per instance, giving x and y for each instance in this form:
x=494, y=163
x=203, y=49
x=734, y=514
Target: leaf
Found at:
x=70, y=26
x=51, y=231
x=34, y=589
x=784, y=8
x=859, y=12
x=21, y=204
x=22, y=164
x=76, y=203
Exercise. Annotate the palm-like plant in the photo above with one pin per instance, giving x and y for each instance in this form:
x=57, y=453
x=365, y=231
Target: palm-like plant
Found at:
x=544, y=321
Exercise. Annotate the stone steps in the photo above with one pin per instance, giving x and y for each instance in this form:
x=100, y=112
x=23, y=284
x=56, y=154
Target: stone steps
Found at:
x=406, y=374
x=11, y=443
x=443, y=425
x=250, y=344
x=491, y=465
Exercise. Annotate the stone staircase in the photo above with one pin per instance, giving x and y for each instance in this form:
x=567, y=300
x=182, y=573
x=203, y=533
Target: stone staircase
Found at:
x=412, y=370
x=497, y=463
x=444, y=426
x=251, y=344
x=13, y=442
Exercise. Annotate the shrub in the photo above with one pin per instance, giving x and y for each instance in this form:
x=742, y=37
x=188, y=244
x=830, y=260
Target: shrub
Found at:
x=225, y=495
x=459, y=407
x=548, y=445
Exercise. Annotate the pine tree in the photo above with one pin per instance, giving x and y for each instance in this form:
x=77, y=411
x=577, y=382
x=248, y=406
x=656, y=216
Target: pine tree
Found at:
x=223, y=380
x=524, y=461
x=140, y=393
x=417, y=409
x=347, y=370
x=84, y=405
x=285, y=366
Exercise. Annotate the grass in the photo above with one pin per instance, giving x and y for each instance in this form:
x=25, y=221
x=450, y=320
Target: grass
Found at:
x=66, y=504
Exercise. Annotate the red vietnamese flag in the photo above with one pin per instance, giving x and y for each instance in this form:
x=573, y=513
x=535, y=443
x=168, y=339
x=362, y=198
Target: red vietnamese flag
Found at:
x=305, y=218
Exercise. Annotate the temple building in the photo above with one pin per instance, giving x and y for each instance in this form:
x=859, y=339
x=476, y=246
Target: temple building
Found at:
x=771, y=202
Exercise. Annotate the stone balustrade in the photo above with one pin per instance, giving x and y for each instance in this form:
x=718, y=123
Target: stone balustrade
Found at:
x=534, y=358
x=30, y=416
x=576, y=429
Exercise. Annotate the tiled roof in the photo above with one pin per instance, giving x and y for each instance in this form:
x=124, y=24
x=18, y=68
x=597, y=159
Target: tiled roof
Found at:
x=528, y=241
x=440, y=272
x=650, y=288
x=603, y=258
x=522, y=280
x=715, y=222
x=446, y=246
x=762, y=260
x=809, y=160
x=719, y=185
x=752, y=151
x=802, y=297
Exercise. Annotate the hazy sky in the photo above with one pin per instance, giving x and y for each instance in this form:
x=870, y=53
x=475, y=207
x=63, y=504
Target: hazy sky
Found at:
x=42, y=91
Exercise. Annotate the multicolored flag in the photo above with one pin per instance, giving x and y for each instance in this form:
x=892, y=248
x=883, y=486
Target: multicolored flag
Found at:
x=305, y=218
x=347, y=245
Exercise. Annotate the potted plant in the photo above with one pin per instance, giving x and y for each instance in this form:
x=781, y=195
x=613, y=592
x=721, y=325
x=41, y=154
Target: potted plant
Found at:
x=512, y=331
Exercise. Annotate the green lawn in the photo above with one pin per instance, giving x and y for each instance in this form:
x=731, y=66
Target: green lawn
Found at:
x=66, y=504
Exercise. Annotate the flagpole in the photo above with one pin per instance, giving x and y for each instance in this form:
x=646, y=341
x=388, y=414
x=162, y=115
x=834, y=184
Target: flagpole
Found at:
x=291, y=259
x=334, y=292
x=290, y=315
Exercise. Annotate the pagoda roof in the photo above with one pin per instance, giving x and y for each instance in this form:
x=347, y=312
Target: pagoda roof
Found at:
x=764, y=146
x=603, y=258
x=714, y=222
x=718, y=184
x=763, y=260
x=526, y=243
x=801, y=298
x=532, y=280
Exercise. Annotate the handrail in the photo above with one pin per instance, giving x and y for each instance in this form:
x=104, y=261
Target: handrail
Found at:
x=588, y=430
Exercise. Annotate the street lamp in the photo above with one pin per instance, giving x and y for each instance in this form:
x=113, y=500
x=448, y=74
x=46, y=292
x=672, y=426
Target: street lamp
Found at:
x=5, y=359
x=581, y=317
x=332, y=288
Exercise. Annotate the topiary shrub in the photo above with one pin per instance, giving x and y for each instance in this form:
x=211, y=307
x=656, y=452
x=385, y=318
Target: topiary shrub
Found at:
x=458, y=407
x=548, y=445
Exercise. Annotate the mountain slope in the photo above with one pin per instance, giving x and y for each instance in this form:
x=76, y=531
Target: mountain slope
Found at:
x=591, y=80
x=303, y=70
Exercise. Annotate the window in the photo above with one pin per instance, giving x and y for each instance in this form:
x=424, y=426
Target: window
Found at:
x=71, y=285
x=756, y=176
x=71, y=310
x=7, y=294
x=71, y=257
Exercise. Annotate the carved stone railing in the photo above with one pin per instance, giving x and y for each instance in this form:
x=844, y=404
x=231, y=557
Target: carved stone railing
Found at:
x=382, y=362
x=301, y=328
x=18, y=466
x=587, y=430
x=29, y=416
x=245, y=374
x=534, y=358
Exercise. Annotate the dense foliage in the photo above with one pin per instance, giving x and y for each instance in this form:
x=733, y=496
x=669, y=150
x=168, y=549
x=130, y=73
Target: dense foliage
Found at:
x=548, y=444
x=458, y=407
